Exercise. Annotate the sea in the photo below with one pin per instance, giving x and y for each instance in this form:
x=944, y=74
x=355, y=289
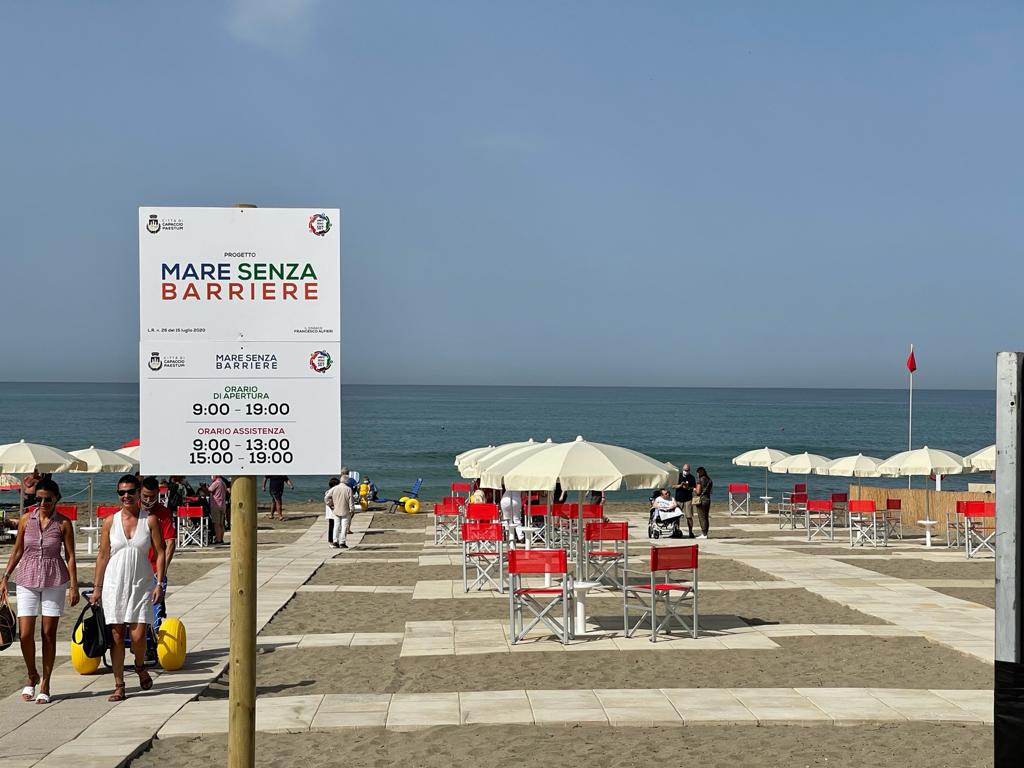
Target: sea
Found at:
x=396, y=434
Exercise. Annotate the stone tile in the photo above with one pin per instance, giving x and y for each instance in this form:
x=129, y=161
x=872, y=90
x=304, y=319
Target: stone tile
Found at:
x=709, y=705
x=566, y=707
x=495, y=708
x=376, y=638
x=849, y=706
x=359, y=710
x=923, y=706
x=979, y=703
x=638, y=707
x=326, y=640
x=196, y=719
x=780, y=705
x=412, y=711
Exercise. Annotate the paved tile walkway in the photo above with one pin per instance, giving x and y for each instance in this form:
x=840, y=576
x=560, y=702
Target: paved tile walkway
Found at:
x=618, y=707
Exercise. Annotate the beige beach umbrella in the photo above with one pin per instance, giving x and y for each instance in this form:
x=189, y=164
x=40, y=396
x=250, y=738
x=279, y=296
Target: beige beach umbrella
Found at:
x=133, y=452
x=103, y=460
x=467, y=456
x=982, y=461
x=760, y=457
x=852, y=466
x=492, y=470
x=26, y=457
x=584, y=466
x=800, y=464
x=471, y=468
x=924, y=461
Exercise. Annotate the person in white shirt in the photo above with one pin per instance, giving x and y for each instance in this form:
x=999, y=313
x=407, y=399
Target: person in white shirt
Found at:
x=341, y=501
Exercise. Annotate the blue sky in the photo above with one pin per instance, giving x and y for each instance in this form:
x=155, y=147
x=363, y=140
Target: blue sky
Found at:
x=664, y=193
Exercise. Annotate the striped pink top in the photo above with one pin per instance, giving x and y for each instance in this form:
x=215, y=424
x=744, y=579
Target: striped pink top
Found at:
x=41, y=564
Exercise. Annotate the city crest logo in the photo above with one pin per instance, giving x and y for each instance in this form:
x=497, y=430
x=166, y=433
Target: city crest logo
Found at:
x=153, y=225
x=319, y=224
x=320, y=361
x=155, y=363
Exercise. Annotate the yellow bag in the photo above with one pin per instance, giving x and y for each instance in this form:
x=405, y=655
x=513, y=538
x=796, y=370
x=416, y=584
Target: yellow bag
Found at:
x=171, y=644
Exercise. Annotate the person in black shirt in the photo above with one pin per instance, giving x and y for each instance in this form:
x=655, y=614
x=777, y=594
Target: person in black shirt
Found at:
x=277, y=483
x=684, y=495
x=702, y=501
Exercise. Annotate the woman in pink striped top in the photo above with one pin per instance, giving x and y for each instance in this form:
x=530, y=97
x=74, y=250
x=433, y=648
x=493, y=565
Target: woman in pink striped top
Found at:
x=44, y=577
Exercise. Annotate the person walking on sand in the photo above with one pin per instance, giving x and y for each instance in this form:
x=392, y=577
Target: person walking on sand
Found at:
x=684, y=495
x=342, y=501
x=277, y=484
x=333, y=520
x=124, y=580
x=46, y=579
x=149, y=499
x=702, y=496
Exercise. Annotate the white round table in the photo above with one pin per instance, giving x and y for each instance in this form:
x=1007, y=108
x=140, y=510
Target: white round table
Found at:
x=927, y=530
x=581, y=588
x=766, y=499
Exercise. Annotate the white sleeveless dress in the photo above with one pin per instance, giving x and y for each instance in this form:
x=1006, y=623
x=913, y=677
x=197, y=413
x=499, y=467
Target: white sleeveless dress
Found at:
x=128, y=580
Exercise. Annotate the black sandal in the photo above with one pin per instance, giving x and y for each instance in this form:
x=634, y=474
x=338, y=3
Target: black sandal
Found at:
x=145, y=681
x=118, y=694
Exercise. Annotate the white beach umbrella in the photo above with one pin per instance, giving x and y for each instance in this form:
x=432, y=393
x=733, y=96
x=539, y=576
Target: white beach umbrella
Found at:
x=924, y=461
x=853, y=466
x=471, y=467
x=760, y=457
x=983, y=460
x=467, y=456
x=133, y=452
x=26, y=457
x=492, y=470
x=584, y=466
x=800, y=464
x=102, y=460
x=9, y=482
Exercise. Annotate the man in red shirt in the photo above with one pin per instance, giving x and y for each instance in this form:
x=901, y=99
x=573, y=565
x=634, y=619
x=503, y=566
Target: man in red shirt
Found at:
x=150, y=503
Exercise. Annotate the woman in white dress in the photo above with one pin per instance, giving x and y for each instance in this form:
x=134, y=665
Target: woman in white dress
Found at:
x=125, y=581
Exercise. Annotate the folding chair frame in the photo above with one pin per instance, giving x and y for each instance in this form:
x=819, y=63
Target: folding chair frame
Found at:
x=483, y=545
x=739, y=499
x=606, y=562
x=447, y=522
x=189, y=533
x=819, y=518
x=867, y=525
x=520, y=597
x=646, y=597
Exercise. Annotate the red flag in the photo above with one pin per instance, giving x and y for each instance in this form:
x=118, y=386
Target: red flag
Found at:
x=911, y=362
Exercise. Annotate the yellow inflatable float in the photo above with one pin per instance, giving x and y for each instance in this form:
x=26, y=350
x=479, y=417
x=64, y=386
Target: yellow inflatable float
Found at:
x=412, y=506
x=171, y=644
x=84, y=665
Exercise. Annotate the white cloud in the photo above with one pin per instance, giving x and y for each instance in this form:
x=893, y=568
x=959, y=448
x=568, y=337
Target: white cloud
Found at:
x=282, y=26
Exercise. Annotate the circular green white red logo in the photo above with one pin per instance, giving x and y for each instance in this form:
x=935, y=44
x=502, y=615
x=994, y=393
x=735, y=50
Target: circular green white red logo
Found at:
x=319, y=224
x=320, y=361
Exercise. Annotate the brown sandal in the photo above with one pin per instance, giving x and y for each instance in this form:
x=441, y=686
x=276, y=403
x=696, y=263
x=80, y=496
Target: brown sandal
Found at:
x=145, y=681
x=118, y=694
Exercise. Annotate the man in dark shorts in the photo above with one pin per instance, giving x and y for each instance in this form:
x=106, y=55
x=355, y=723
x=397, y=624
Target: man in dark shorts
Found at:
x=149, y=499
x=277, y=484
x=684, y=495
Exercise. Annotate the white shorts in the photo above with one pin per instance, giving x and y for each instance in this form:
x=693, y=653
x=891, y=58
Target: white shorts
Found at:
x=42, y=601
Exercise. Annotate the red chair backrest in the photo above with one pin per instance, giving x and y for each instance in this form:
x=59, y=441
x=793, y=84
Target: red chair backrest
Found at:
x=482, y=532
x=460, y=487
x=961, y=507
x=894, y=504
x=445, y=510
x=799, y=487
x=563, y=510
x=839, y=498
x=537, y=561
x=482, y=512
x=819, y=505
x=593, y=512
x=606, y=531
x=798, y=498
x=862, y=505
x=190, y=511
x=739, y=488
x=452, y=501
x=990, y=508
x=70, y=511
x=105, y=511
x=974, y=508
x=673, y=558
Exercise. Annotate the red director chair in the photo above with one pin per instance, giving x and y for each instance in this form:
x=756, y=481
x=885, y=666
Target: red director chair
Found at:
x=192, y=527
x=538, y=562
x=607, y=550
x=483, y=547
x=665, y=589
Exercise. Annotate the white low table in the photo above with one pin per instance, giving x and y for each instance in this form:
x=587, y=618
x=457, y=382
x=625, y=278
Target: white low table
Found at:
x=927, y=530
x=766, y=499
x=90, y=530
x=581, y=588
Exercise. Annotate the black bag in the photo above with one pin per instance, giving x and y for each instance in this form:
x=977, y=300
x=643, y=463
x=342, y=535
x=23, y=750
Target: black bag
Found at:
x=8, y=625
x=95, y=632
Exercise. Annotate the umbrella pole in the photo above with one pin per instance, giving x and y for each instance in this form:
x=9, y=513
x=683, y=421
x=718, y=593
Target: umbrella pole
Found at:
x=579, y=540
x=766, y=490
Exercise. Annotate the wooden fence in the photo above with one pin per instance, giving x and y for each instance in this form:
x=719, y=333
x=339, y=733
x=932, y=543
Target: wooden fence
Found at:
x=914, y=503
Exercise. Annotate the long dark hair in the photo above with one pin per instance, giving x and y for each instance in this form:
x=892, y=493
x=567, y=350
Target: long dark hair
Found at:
x=49, y=485
x=701, y=472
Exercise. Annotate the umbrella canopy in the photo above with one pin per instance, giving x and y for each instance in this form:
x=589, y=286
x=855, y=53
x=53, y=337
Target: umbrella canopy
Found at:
x=102, y=460
x=469, y=455
x=760, y=457
x=133, y=452
x=800, y=464
x=853, y=466
x=471, y=467
x=9, y=482
x=492, y=471
x=26, y=457
x=983, y=460
x=585, y=466
x=923, y=461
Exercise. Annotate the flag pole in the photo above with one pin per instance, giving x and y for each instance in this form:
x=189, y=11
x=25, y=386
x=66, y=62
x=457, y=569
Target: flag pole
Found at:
x=910, y=416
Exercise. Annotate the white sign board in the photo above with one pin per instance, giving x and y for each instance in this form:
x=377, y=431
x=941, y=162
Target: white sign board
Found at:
x=240, y=353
